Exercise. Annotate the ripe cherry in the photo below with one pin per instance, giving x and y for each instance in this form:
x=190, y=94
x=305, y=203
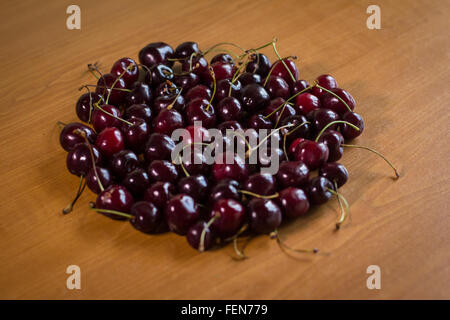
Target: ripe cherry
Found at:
x=264, y=215
x=123, y=162
x=247, y=78
x=223, y=89
x=229, y=109
x=122, y=68
x=200, y=110
x=110, y=141
x=103, y=174
x=276, y=87
x=222, y=57
x=159, y=74
x=331, y=102
x=298, y=86
x=147, y=218
x=194, y=186
x=293, y=174
x=136, y=181
x=326, y=81
x=199, y=67
x=257, y=121
x=117, y=93
x=167, y=121
x=180, y=213
x=262, y=184
x=69, y=136
x=186, y=81
x=321, y=118
x=199, y=91
x=224, y=189
x=139, y=111
x=280, y=70
x=162, y=170
x=306, y=102
x=282, y=113
x=348, y=132
x=140, y=94
x=293, y=146
x=254, y=97
x=222, y=70
x=159, y=193
x=319, y=190
x=194, y=235
x=156, y=53
x=186, y=49
x=117, y=198
x=162, y=102
x=85, y=104
x=237, y=170
x=136, y=135
x=333, y=140
x=102, y=120
x=230, y=215
x=335, y=172
x=166, y=88
x=313, y=154
x=300, y=127
x=79, y=159
x=159, y=147
x=260, y=64
x=293, y=202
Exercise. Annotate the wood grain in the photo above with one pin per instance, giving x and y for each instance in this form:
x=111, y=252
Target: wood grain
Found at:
x=399, y=76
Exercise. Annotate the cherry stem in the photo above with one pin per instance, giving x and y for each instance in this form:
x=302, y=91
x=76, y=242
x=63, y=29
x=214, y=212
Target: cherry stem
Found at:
x=80, y=190
x=181, y=159
x=259, y=48
x=275, y=235
x=334, y=94
x=201, y=246
x=61, y=124
x=214, y=88
x=117, y=213
x=111, y=115
x=287, y=101
x=239, y=253
x=90, y=101
x=344, y=211
x=397, y=175
x=266, y=138
x=272, y=196
x=93, y=67
x=243, y=137
x=224, y=43
x=117, y=79
x=332, y=123
x=170, y=106
x=292, y=131
x=282, y=61
x=103, y=87
x=273, y=66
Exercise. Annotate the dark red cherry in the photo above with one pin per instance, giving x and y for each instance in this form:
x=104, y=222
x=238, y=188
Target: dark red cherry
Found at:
x=294, y=202
x=103, y=174
x=293, y=146
x=222, y=70
x=293, y=174
x=335, y=172
x=195, y=134
x=69, y=136
x=104, y=85
x=194, y=186
x=258, y=121
x=223, y=90
x=116, y=198
x=162, y=170
x=159, y=147
x=260, y=64
x=261, y=184
x=231, y=125
x=229, y=109
x=280, y=70
x=247, y=78
x=224, y=189
x=200, y=110
x=299, y=127
x=186, y=81
x=326, y=81
x=222, y=57
x=230, y=215
x=167, y=121
x=196, y=163
x=319, y=190
x=265, y=216
x=131, y=75
x=156, y=53
x=298, y=86
x=320, y=118
x=159, y=74
x=199, y=91
x=166, y=88
x=277, y=87
x=254, y=97
x=136, y=181
x=305, y=103
x=102, y=120
x=333, y=140
x=136, y=135
x=162, y=102
x=147, y=218
x=159, y=193
x=283, y=113
x=237, y=169
x=313, y=154
x=85, y=105
x=79, y=159
x=199, y=67
x=139, y=111
x=348, y=132
x=264, y=159
x=140, y=94
x=331, y=102
x=186, y=49
x=110, y=141
x=194, y=234
x=123, y=162
x=181, y=213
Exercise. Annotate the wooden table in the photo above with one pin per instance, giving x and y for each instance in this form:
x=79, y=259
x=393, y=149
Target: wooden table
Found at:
x=399, y=76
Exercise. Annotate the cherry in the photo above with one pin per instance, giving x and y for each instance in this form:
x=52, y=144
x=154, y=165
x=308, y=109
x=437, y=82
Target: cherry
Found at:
x=195, y=134
x=333, y=140
x=147, y=218
x=102, y=120
x=117, y=198
x=237, y=170
x=140, y=94
x=159, y=147
x=123, y=162
x=223, y=89
x=306, y=102
x=229, y=109
x=104, y=176
x=136, y=181
x=186, y=81
x=223, y=57
x=293, y=202
x=319, y=190
x=136, y=135
x=300, y=127
x=224, y=189
x=159, y=193
x=162, y=102
x=198, y=91
x=186, y=49
x=79, y=159
x=222, y=70
x=194, y=186
x=156, y=53
x=262, y=184
x=335, y=172
x=85, y=103
x=283, y=113
x=201, y=110
x=265, y=216
x=181, y=213
x=104, y=85
x=110, y=141
x=313, y=154
x=258, y=121
x=277, y=87
x=166, y=88
x=320, y=118
x=139, y=111
x=293, y=174
x=162, y=170
x=194, y=235
x=167, y=121
x=331, y=102
x=122, y=66
x=230, y=215
x=326, y=81
x=298, y=86
x=260, y=64
x=231, y=125
x=199, y=67
x=247, y=78
x=293, y=146
x=348, y=132
x=196, y=164
x=280, y=70
x=254, y=97
x=159, y=74
x=264, y=158
x=69, y=136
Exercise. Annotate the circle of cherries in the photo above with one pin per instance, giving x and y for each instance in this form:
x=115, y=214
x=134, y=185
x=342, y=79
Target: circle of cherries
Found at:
x=122, y=147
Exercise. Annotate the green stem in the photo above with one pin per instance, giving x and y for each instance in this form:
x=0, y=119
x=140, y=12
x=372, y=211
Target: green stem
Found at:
x=333, y=123
x=334, y=94
x=272, y=196
x=282, y=61
x=80, y=190
x=117, y=213
x=287, y=101
x=117, y=79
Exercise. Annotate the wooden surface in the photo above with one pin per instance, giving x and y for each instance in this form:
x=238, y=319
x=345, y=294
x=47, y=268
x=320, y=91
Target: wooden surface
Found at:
x=399, y=76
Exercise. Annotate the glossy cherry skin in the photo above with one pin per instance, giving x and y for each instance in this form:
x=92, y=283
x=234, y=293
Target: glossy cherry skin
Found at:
x=313, y=154
x=194, y=234
x=331, y=102
x=136, y=135
x=326, y=81
x=264, y=158
x=335, y=172
x=280, y=70
x=79, y=159
x=333, y=140
x=198, y=91
x=194, y=186
x=231, y=215
x=123, y=162
x=104, y=85
x=294, y=202
x=348, y=132
x=265, y=215
x=147, y=218
x=222, y=70
x=159, y=74
x=298, y=86
x=186, y=81
x=195, y=134
x=102, y=120
x=258, y=121
x=85, y=105
x=181, y=213
x=162, y=170
x=293, y=174
x=156, y=53
x=223, y=90
x=117, y=198
x=306, y=102
x=299, y=129
x=167, y=121
x=254, y=97
x=318, y=190
x=262, y=184
x=159, y=193
x=140, y=94
x=293, y=146
x=136, y=181
x=186, y=49
x=238, y=170
x=227, y=189
x=159, y=147
x=131, y=75
x=139, y=111
x=229, y=109
x=321, y=118
x=163, y=102
x=199, y=67
x=276, y=87
x=110, y=141
x=247, y=78
x=284, y=112
x=166, y=88
x=200, y=110
x=231, y=125
x=105, y=179
x=196, y=163
x=69, y=136
x=260, y=64
x=222, y=57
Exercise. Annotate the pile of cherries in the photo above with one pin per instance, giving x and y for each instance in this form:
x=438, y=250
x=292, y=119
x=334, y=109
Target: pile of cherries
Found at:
x=122, y=151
